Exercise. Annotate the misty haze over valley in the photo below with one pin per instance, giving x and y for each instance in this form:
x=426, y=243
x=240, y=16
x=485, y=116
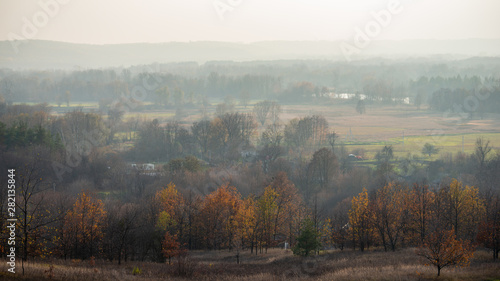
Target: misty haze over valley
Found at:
x=249, y=140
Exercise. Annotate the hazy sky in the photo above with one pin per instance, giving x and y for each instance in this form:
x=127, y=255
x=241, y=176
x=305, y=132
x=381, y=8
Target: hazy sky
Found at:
x=127, y=21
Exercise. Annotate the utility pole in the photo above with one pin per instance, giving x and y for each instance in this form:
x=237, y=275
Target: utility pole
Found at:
x=403, y=140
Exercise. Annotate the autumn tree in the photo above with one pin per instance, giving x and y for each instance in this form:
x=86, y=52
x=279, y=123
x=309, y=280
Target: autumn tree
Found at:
x=246, y=220
x=420, y=205
x=266, y=214
x=360, y=220
x=288, y=203
x=391, y=213
x=463, y=208
x=218, y=216
x=489, y=229
x=443, y=249
x=171, y=246
x=84, y=223
x=170, y=202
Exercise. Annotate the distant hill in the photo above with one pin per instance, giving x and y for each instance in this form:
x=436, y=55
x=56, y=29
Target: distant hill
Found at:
x=52, y=55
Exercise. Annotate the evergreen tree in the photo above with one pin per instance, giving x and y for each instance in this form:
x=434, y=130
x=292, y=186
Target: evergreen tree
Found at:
x=308, y=240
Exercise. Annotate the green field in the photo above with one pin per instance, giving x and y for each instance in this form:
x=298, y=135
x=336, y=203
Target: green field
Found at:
x=379, y=126
x=413, y=144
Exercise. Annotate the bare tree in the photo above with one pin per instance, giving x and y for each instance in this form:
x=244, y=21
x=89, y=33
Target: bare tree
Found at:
x=274, y=112
x=323, y=167
x=332, y=138
x=31, y=198
x=360, y=107
x=122, y=221
x=481, y=152
x=261, y=111
x=201, y=134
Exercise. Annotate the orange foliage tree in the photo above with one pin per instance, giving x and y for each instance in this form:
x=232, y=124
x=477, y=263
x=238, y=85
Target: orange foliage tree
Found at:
x=288, y=207
x=170, y=203
x=84, y=224
x=218, y=217
x=442, y=249
x=171, y=246
x=391, y=213
x=420, y=205
x=246, y=220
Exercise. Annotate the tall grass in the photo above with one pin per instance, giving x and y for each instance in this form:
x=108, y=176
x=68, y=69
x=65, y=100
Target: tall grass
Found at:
x=275, y=265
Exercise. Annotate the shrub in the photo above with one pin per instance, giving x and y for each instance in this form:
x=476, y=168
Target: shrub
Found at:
x=136, y=271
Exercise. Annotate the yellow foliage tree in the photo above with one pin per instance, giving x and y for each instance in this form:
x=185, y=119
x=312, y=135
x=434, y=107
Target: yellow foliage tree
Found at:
x=170, y=203
x=267, y=211
x=466, y=209
x=360, y=219
x=84, y=224
x=246, y=220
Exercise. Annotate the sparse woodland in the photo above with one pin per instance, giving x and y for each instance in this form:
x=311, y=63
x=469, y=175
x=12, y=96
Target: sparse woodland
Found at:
x=229, y=188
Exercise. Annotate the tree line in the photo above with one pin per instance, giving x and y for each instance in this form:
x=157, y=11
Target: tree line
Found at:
x=172, y=221
x=173, y=86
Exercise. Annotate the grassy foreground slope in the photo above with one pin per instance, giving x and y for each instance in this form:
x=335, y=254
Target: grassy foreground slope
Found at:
x=277, y=264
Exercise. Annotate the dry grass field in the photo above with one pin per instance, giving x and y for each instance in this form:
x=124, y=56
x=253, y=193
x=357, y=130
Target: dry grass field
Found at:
x=277, y=264
x=387, y=125
x=379, y=126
